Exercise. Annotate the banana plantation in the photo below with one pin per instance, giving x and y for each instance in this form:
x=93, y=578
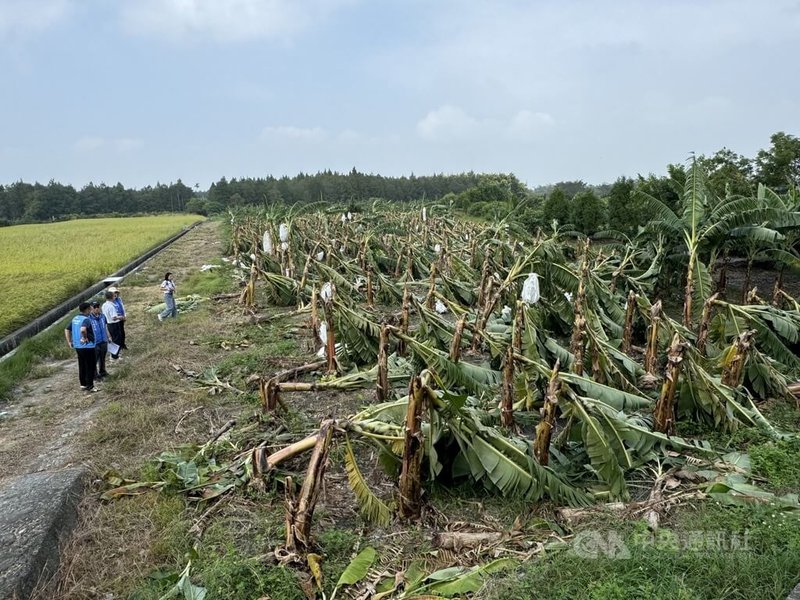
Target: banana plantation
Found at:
x=538, y=365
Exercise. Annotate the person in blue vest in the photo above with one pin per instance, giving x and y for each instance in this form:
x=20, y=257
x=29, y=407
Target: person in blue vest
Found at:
x=101, y=337
x=80, y=335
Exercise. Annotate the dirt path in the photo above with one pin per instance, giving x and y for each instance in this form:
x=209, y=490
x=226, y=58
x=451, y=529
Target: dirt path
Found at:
x=46, y=415
x=39, y=428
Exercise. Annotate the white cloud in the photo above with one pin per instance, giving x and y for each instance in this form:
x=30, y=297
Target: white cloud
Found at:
x=88, y=144
x=18, y=17
x=127, y=144
x=448, y=123
x=527, y=125
x=452, y=124
x=289, y=132
x=225, y=20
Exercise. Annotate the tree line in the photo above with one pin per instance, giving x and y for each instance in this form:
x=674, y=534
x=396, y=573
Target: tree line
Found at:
x=583, y=207
x=22, y=202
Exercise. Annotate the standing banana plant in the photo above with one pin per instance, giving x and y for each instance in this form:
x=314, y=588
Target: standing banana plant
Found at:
x=705, y=225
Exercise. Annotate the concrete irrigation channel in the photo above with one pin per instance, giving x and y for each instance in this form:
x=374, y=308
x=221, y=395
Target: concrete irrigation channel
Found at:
x=38, y=509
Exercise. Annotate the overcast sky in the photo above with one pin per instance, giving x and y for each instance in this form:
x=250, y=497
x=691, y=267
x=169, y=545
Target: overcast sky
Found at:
x=146, y=91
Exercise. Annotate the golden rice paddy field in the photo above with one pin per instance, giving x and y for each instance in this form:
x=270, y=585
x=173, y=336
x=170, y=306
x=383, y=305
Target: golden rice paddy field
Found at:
x=43, y=265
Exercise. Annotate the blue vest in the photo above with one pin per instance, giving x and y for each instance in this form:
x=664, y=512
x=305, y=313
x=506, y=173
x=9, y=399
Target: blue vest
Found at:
x=99, y=328
x=120, y=306
x=77, y=322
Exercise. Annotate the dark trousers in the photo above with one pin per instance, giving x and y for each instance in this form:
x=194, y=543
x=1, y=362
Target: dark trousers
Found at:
x=121, y=342
x=115, y=329
x=86, y=366
x=100, y=351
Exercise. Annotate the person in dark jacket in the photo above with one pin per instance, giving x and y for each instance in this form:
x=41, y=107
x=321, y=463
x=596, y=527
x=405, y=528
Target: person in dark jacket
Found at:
x=80, y=336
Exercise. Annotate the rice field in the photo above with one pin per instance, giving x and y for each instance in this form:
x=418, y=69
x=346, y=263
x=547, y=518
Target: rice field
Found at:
x=44, y=264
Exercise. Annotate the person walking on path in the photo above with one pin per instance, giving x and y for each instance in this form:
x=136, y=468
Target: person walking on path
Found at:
x=80, y=335
x=121, y=318
x=168, y=287
x=101, y=337
x=114, y=324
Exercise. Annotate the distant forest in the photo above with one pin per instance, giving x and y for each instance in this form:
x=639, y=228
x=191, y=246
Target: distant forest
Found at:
x=584, y=207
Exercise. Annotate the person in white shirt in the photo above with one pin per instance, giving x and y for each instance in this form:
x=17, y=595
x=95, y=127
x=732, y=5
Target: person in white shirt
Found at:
x=168, y=287
x=112, y=318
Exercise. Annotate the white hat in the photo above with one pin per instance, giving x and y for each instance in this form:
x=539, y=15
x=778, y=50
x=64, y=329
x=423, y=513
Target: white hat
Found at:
x=113, y=289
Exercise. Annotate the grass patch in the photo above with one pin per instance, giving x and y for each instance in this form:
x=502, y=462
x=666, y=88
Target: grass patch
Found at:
x=714, y=553
x=777, y=463
x=207, y=283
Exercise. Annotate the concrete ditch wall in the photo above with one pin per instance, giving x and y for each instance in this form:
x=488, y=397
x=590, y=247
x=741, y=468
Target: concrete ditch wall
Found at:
x=14, y=339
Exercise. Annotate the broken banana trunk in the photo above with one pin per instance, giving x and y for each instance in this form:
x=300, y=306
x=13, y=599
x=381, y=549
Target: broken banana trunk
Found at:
x=736, y=359
x=300, y=510
x=382, y=389
x=455, y=345
x=664, y=416
x=404, y=320
x=651, y=353
x=630, y=312
x=705, y=320
x=507, y=404
x=544, y=430
x=410, y=505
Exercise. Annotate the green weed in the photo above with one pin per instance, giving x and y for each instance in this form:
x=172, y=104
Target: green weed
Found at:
x=777, y=462
x=714, y=553
x=207, y=283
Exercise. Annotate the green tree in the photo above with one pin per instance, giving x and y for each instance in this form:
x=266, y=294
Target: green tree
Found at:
x=779, y=167
x=625, y=211
x=588, y=212
x=556, y=208
x=729, y=173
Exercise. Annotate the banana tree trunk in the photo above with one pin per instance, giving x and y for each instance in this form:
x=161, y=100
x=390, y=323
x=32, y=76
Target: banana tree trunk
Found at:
x=664, y=416
x=330, y=346
x=630, y=312
x=301, y=510
x=689, y=292
x=734, y=365
x=248, y=297
x=747, y=277
x=410, y=504
x=370, y=293
x=431, y=287
x=776, y=294
x=702, y=332
x=507, y=404
x=404, y=319
x=519, y=327
x=455, y=345
x=651, y=352
x=544, y=430
x=382, y=390
x=576, y=345
x=722, y=282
